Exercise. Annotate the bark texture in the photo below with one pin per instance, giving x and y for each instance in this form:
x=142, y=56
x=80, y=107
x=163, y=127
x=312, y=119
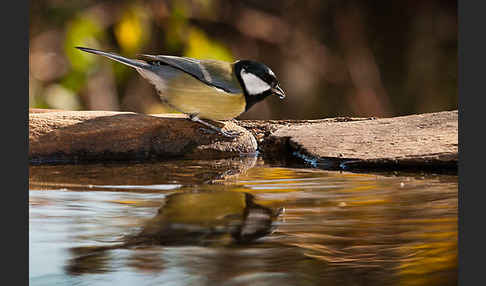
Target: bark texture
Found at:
x=425, y=140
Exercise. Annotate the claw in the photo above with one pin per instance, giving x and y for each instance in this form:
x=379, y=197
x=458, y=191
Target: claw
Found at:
x=230, y=133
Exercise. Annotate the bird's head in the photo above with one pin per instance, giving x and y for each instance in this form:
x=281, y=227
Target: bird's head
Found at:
x=257, y=80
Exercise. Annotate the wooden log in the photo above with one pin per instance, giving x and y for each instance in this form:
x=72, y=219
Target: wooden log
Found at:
x=419, y=141
x=77, y=136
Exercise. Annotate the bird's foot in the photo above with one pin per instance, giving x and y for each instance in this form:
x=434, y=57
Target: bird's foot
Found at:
x=214, y=129
x=207, y=131
x=230, y=133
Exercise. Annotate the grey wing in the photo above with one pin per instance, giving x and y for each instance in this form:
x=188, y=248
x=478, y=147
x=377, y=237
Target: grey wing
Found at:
x=209, y=72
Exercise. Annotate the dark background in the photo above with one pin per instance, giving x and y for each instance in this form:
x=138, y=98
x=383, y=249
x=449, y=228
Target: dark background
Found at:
x=333, y=58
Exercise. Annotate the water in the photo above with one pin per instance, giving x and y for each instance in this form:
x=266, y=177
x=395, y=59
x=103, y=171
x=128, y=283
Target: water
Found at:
x=182, y=223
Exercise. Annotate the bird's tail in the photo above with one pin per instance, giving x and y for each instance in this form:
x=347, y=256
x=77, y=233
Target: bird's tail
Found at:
x=129, y=62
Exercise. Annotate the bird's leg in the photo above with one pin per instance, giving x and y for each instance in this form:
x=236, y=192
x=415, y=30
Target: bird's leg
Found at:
x=230, y=134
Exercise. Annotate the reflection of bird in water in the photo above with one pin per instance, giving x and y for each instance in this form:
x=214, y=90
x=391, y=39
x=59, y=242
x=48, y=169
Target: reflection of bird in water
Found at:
x=196, y=218
x=206, y=217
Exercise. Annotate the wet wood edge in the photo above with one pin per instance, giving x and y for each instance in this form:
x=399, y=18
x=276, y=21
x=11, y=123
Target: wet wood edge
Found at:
x=419, y=142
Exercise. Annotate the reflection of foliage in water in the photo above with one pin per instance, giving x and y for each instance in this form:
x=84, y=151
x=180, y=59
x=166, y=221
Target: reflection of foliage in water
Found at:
x=368, y=225
x=337, y=228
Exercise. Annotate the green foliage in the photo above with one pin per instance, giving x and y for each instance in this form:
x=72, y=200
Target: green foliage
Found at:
x=74, y=80
x=82, y=31
x=177, y=26
x=351, y=59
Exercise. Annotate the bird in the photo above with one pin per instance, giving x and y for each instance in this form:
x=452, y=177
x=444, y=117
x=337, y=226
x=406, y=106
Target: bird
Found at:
x=204, y=89
x=195, y=218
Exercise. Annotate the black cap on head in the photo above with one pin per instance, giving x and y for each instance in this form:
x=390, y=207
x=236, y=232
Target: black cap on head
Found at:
x=258, y=69
x=258, y=81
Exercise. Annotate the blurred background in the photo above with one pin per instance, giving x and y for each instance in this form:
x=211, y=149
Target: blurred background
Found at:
x=333, y=58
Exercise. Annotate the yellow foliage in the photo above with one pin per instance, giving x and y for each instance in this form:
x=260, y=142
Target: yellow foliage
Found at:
x=133, y=30
x=200, y=46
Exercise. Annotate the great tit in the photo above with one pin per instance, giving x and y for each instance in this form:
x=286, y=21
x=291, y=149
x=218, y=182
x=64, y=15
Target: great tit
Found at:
x=204, y=89
x=196, y=218
x=207, y=217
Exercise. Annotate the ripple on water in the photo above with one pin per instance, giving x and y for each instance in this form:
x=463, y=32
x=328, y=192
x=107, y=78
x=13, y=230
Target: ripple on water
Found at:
x=334, y=228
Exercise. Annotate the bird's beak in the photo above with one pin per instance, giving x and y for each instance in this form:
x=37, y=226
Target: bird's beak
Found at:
x=278, y=91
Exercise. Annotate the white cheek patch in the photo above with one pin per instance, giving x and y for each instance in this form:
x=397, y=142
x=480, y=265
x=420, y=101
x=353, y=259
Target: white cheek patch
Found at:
x=254, y=85
x=270, y=72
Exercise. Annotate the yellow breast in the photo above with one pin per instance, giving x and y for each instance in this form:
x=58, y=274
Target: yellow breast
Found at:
x=189, y=95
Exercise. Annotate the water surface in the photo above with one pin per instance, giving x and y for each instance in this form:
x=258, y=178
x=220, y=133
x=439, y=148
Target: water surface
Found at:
x=330, y=228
